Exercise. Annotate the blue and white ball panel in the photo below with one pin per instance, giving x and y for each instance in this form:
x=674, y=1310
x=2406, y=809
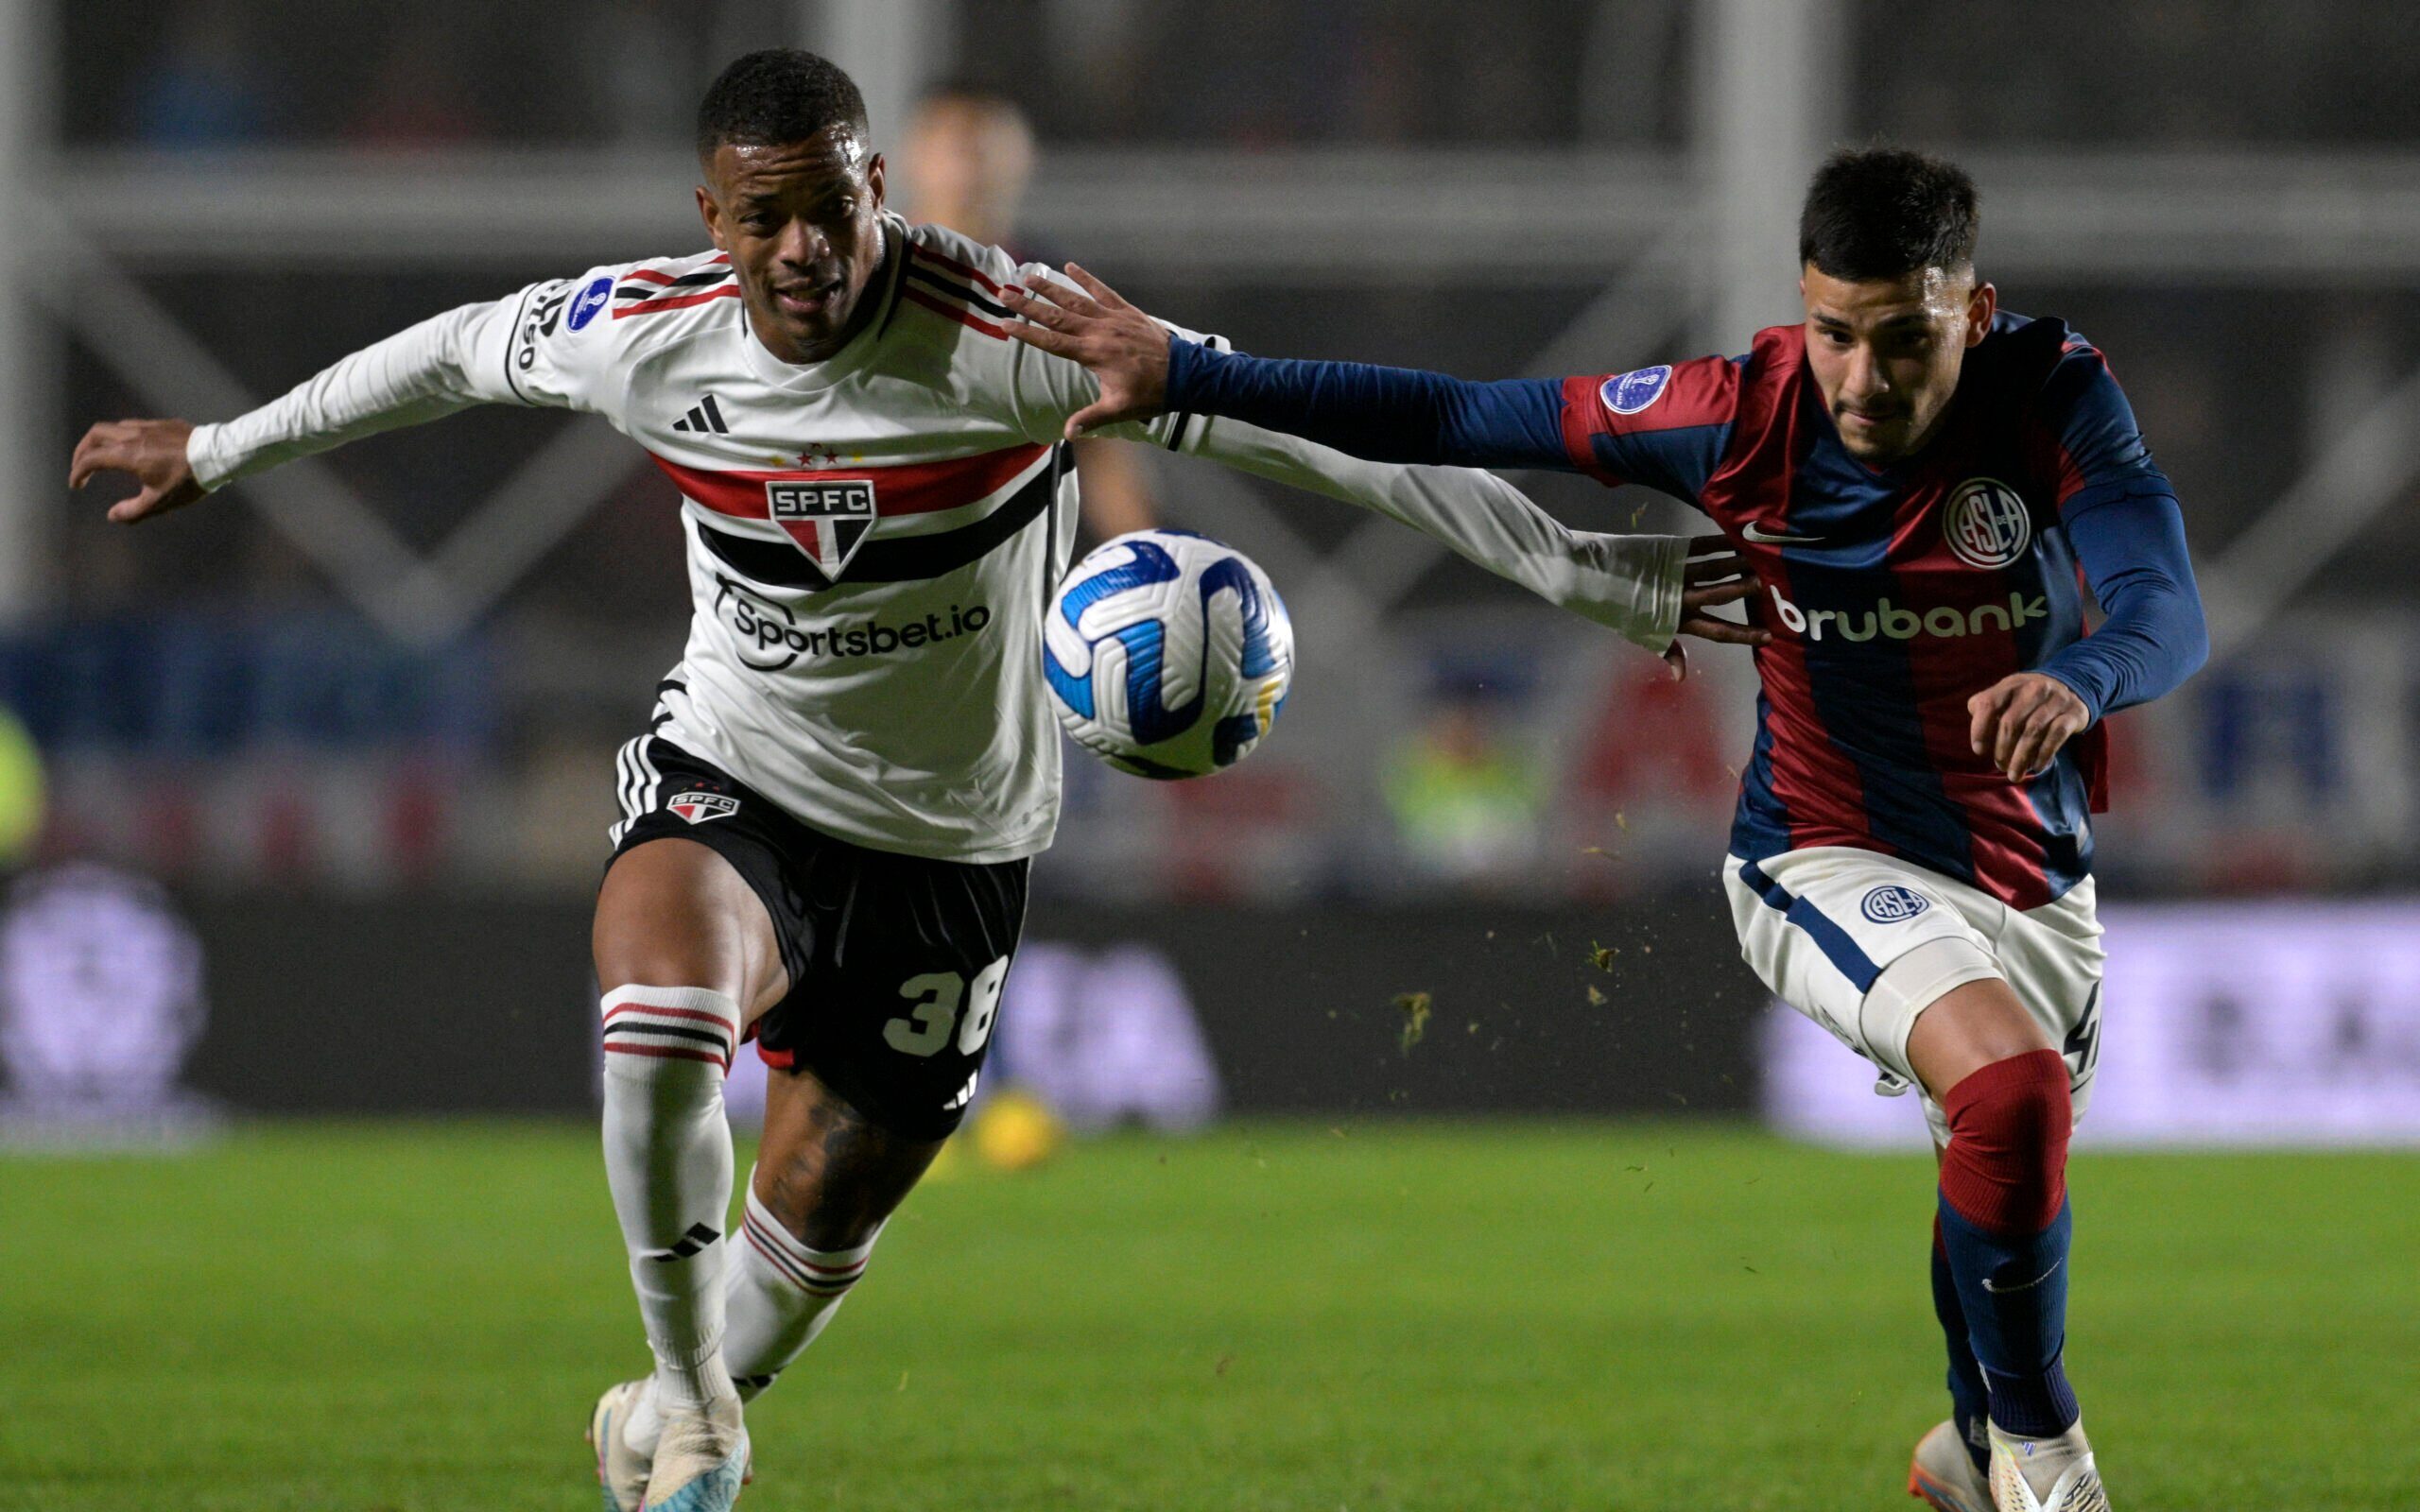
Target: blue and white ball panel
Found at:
x=1167, y=655
x=1820, y=925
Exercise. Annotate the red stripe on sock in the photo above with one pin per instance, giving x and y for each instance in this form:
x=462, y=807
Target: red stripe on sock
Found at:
x=832, y=1281
x=671, y=1013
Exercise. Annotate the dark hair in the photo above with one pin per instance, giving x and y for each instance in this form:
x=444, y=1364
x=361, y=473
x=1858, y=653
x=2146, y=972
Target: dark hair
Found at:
x=1874, y=213
x=777, y=96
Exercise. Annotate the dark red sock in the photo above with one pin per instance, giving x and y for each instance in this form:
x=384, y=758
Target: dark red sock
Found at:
x=2006, y=1170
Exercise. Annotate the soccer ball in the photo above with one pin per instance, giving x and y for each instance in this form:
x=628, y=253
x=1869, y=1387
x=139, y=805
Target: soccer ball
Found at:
x=1168, y=654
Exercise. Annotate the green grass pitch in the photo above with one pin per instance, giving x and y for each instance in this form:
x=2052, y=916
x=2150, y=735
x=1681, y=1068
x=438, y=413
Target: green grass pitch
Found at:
x=1393, y=1315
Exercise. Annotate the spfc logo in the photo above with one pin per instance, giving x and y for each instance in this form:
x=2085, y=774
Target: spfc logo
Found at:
x=699, y=807
x=829, y=519
x=1986, y=523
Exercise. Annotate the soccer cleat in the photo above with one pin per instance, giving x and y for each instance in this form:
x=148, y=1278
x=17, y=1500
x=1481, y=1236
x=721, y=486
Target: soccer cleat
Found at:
x=700, y=1461
x=621, y=1470
x=2075, y=1488
x=1942, y=1473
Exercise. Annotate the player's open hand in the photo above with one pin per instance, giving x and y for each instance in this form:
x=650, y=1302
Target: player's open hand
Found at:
x=2022, y=720
x=1716, y=574
x=152, y=450
x=1126, y=350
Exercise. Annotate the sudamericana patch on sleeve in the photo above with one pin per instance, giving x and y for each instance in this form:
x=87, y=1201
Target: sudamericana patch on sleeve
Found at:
x=592, y=299
x=1626, y=393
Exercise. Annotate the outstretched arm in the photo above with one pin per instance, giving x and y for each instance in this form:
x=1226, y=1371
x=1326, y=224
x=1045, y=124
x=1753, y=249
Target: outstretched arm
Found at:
x=447, y=363
x=1380, y=414
x=1649, y=588
x=1646, y=587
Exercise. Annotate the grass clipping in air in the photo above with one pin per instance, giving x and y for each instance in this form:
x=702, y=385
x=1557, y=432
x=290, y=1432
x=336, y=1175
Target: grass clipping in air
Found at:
x=1414, y=1007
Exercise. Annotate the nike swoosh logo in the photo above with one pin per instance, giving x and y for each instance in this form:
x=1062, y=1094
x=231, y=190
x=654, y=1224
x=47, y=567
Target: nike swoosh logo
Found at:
x=1766, y=538
x=2025, y=1286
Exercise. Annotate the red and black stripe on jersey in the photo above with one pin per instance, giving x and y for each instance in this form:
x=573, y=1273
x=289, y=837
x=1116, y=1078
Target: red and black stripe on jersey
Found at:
x=647, y=290
x=925, y=488
x=951, y=288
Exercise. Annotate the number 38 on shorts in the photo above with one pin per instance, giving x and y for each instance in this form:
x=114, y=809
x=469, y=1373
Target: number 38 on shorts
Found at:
x=944, y=1005
x=895, y=962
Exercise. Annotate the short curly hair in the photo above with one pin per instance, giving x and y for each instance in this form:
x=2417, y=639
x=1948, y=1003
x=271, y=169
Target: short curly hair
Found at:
x=776, y=96
x=1882, y=211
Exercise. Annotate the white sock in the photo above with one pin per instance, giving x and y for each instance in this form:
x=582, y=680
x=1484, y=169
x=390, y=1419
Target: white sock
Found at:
x=667, y=1158
x=781, y=1294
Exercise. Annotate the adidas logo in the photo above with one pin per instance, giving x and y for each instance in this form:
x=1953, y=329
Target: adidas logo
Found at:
x=698, y=1238
x=706, y=416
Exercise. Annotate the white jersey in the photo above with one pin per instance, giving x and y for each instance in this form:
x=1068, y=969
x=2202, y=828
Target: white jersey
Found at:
x=872, y=539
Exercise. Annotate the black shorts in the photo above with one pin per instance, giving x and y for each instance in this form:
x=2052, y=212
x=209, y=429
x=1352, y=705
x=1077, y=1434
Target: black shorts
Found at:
x=895, y=962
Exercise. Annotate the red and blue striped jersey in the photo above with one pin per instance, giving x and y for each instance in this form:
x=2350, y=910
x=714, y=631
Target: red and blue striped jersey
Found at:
x=1894, y=595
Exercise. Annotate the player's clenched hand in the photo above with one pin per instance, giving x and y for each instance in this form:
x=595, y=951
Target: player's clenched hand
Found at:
x=1126, y=350
x=1716, y=574
x=2022, y=720
x=153, y=451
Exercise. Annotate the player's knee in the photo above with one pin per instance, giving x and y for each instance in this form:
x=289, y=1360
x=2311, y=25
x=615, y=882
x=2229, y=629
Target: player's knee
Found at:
x=2005, y=1170
x=819, y=1215
x=677, y=1040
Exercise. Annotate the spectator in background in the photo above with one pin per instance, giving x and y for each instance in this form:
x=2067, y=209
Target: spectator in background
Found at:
x=963, y=160
x=1467, y=797
x=199, y=91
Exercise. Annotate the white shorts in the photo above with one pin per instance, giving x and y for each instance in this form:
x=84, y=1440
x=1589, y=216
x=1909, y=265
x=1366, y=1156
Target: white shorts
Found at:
x=1820, y=925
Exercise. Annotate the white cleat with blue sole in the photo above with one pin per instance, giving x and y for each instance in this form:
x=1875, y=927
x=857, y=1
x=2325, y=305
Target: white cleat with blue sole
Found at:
x=700, y=1461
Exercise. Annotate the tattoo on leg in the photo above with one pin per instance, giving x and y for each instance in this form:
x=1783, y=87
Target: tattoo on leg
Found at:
x=840, y=1174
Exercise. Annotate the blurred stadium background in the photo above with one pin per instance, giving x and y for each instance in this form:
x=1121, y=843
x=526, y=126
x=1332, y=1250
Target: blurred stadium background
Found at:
x=304, y=793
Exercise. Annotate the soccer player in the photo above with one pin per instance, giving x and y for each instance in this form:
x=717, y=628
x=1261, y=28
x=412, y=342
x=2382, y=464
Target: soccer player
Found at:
x=828, y=819
x=1919, y=480
x=964, y=158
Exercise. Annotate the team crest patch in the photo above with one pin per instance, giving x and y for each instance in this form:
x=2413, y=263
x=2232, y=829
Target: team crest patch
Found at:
x=1629, y=393
x=1986, y=523
x=1892, y=904
x=828, y=518
x=699, y=807
x=591, y=300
